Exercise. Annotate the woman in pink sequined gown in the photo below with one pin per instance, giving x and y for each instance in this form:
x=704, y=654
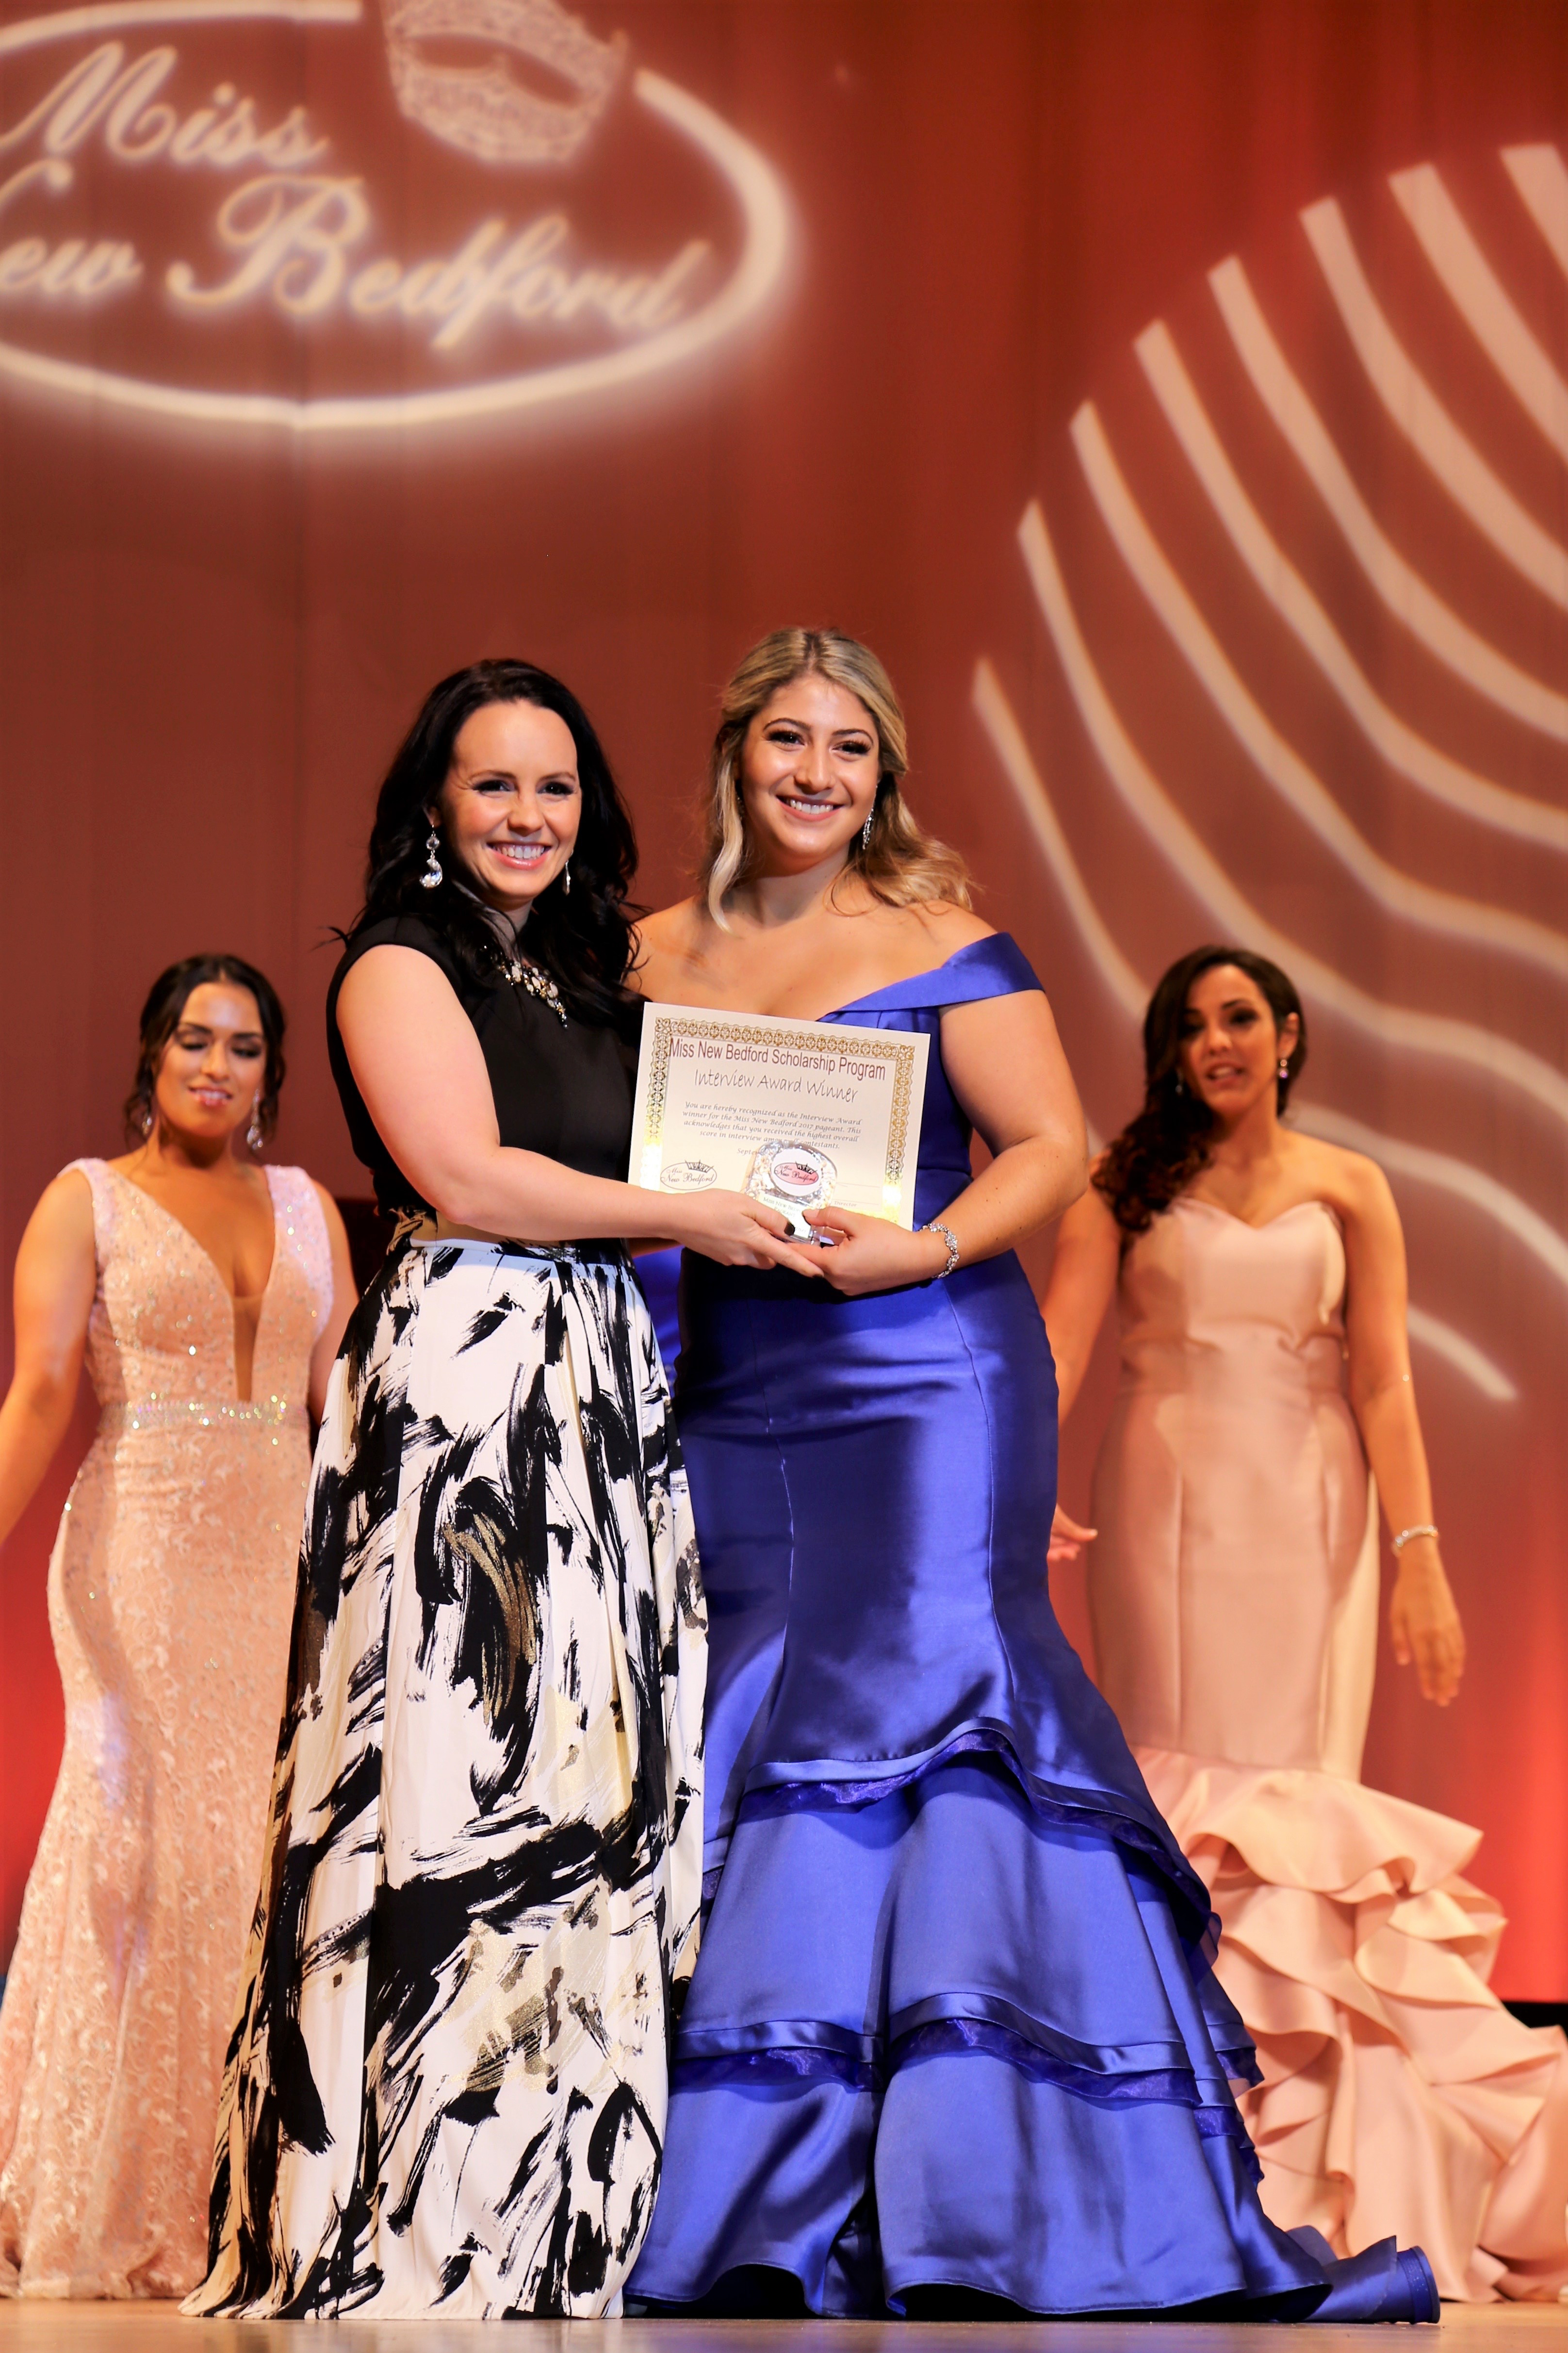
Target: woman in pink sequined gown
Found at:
x=1234, y=1592
x=207, y=1295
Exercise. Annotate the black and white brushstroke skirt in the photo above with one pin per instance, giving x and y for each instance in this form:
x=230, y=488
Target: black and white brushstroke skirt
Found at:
x=446, y=2086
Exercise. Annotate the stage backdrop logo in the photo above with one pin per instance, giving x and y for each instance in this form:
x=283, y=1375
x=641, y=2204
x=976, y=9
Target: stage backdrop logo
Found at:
x=292, y=213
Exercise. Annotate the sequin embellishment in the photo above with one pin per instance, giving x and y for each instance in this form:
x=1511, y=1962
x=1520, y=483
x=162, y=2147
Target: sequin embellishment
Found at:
x=171, y=1594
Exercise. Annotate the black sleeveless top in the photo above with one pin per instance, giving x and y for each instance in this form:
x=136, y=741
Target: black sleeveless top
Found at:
x=566, y=1092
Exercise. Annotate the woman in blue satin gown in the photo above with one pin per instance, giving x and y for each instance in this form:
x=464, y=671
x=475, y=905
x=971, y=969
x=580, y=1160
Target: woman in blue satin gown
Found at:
x=952, y=2041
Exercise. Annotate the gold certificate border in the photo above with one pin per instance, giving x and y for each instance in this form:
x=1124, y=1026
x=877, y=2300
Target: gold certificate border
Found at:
x=888, y=1046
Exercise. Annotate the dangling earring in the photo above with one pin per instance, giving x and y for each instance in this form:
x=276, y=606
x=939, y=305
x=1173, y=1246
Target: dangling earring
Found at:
x=1180, y=1089
x=145, y=1122
x=866, y=829
x=432, y=877
x=1284, y=1068
x=254, y=1137
x=566, y=879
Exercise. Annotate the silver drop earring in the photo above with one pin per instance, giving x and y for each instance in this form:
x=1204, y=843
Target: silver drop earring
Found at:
x=566, y=879
x=1180, y=1087
x=254, y=1138
x=145, y=1122
x=432, y=877
x=1284, y=1067
x=866, y=829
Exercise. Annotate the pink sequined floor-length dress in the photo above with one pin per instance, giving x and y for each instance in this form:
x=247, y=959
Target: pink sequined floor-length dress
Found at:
x=171, y=1594
x=1233, y=1592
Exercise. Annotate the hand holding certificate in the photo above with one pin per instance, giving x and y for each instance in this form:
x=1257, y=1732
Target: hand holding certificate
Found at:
x=797, y=1113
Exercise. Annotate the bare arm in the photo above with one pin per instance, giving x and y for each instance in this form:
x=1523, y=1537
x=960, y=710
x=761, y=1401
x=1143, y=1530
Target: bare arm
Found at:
x=56, y=1277
x=1005, y=1066
x=1083, y=1283
x=323, y=1355
x=419, y=1067
x=1422, y=1619
x=1082, y=1286
x=1005, y=1063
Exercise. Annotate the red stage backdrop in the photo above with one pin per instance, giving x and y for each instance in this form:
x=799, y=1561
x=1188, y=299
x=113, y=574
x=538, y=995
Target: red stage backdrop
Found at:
x=1176, y=395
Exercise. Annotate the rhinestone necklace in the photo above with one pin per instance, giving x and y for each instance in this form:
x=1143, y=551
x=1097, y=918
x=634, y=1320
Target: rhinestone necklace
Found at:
x=524, y=975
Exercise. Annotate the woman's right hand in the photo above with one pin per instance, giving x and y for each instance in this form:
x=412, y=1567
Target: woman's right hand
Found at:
x=1425, y=1623
x=1068, y=1540
x=734, y=1231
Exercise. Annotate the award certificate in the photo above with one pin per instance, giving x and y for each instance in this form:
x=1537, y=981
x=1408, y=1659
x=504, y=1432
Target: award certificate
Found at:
x=797, y=1113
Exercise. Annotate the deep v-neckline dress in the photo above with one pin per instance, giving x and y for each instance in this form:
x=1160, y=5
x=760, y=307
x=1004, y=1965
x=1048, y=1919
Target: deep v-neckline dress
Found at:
x=170, y=1589
x=1234, y=1592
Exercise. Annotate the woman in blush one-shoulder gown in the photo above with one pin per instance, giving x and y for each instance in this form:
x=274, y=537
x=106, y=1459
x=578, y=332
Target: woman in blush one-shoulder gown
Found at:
x=1233, y=1593
x=952, y=2042
x=207, y=1296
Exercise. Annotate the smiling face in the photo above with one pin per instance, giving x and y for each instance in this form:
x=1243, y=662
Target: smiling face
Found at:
x=214, y=1067
x=809, y=769
x=1231, y=1049
x=511, y=803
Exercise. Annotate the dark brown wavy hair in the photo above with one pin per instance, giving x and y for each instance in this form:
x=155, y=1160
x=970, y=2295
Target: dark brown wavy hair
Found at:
x=1157, y=1155
x=581, y=938
x=162, y=1016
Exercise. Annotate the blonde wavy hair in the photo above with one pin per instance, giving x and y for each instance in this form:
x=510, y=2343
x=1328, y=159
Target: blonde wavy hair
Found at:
x=900, y=864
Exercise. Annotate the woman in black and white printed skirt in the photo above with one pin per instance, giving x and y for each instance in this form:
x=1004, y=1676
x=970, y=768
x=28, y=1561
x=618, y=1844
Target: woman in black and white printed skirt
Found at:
x=446, y=2088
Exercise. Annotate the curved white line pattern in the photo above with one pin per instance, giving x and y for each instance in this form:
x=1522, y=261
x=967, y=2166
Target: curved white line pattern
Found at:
x=755, y=185
x=1477, y=294
x=1424, y=766
x=1274, y=759
x=1462, y=1042
x=996, y=714
x=1472, y=1186
x=1398, y=406
x=130, y=16
x=1462, y=1354
x=1453, y=461
x=1539, y=175
x=1454, y=643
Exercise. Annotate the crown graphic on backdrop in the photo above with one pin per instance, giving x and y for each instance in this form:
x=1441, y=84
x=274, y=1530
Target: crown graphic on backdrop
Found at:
x=487, y=110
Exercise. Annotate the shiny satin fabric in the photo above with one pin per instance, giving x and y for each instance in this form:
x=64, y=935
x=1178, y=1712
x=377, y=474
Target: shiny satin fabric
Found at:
x=875, y=1474
x=1234, y=1585
x=1234, y=1589
x=952, y=2021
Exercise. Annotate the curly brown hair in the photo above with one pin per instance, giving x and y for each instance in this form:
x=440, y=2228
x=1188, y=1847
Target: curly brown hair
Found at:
x=1157, y=1155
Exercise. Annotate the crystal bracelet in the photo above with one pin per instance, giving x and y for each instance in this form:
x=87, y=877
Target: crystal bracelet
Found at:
x=1406, y=1535
x=935, y=1226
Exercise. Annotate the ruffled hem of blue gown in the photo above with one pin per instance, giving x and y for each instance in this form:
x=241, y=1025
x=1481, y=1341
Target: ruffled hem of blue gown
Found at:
x=1019, y=2160
x=816, y=1783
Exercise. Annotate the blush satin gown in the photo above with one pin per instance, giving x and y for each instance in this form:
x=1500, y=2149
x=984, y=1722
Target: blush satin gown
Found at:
x=1233, y=1592
x=954, y=2024
x=171, y=1589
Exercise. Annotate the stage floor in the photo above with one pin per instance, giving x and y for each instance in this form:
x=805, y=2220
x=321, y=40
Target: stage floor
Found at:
x=158, y=2328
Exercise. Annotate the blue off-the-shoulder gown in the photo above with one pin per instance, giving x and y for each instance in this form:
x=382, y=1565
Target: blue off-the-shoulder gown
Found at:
x=954, y=2024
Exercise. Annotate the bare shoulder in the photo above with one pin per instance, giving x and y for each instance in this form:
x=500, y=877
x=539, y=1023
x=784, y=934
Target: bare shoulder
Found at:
x=674, y=931
x=666, y=945
x=66, y=1202
x=671, y=929
x=1348, y=1181
x=331, y=1214
x=61, y=1226
x=946, y=924
x=392, y=978
x=389, y=958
